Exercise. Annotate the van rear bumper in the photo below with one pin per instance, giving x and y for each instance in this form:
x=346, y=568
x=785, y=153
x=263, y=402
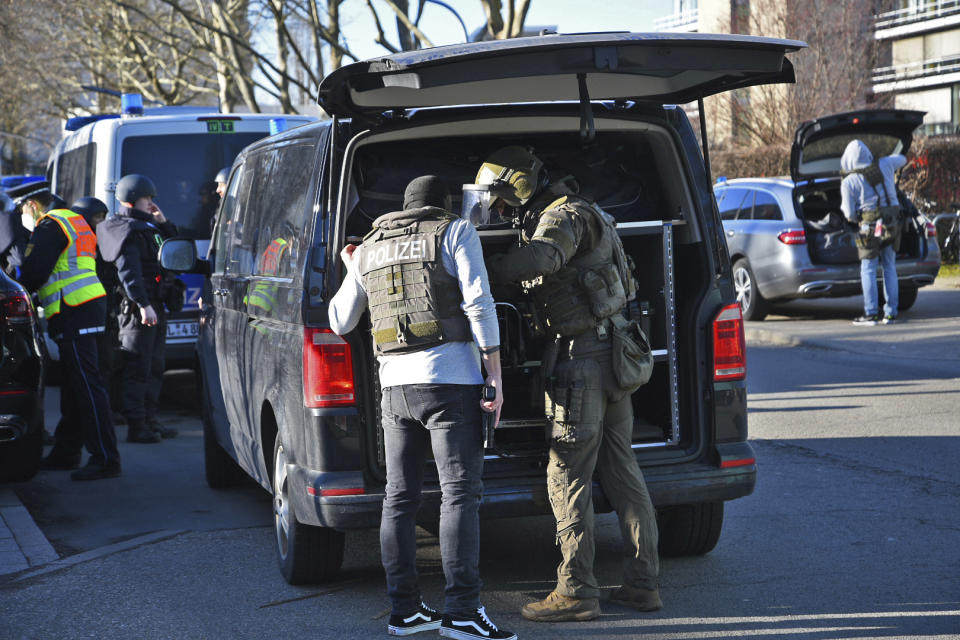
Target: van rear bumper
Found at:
x=686, y=483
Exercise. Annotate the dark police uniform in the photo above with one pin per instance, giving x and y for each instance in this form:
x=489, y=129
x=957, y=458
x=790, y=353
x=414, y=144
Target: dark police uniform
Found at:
x=131, y=239
x=60, y=265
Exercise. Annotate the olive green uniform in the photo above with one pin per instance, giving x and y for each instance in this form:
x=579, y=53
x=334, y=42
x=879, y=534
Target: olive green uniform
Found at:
x=574, y=248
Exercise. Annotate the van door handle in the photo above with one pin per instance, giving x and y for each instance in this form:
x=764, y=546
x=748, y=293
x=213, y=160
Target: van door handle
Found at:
x=731, y=233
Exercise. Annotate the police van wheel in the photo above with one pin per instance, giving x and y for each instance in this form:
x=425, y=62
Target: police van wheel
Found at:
x=306, y=554
x=752, y=304
x=690, y=529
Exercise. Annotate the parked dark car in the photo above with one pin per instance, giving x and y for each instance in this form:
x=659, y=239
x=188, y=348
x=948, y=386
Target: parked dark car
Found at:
x=787, y=237
x=296, y=407
x=21, y=384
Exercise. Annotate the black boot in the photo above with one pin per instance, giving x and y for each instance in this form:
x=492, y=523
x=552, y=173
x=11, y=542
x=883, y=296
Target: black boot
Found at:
x=137, y=431
x=95, y=471
x=161, y=429
x=59, y=461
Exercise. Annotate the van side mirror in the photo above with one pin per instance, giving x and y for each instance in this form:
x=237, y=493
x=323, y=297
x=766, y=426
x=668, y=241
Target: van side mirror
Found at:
x=180, y=256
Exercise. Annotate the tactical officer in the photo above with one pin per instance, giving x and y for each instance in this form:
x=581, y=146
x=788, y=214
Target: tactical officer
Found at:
x=131, y=239
x=13, y=235
x=95, y=211
x=60, y=264
x=420, y=271
x=221, y=179
x=868, y=198
x=573, y=265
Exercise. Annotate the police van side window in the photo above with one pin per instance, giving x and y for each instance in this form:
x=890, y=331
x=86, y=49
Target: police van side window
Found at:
x=75, y=172
x=228, y=257
x=282, y=210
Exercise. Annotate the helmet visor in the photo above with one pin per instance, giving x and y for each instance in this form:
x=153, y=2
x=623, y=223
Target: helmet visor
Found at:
x=478, y=205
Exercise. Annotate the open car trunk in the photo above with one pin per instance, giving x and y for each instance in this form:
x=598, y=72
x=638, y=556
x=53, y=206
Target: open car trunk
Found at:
x=633, y=171
x=831, y=240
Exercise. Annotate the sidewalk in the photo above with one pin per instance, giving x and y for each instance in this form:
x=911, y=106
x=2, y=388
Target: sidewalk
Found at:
x=22, y=544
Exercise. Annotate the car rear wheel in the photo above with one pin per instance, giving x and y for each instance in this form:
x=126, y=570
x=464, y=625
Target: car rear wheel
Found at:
x=752, y=304
x=306, y=554
x=906, y=296
x=690, y=529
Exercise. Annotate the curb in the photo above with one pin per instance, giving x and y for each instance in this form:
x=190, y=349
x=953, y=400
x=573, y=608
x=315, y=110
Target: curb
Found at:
x=22, y=544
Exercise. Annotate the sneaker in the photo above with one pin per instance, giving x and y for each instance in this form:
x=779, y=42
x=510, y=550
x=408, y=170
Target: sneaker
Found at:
x=94, y=471
x=637, y=597
x=866, y=321
x=423, y=619
x=888, y=319
x=475, y=627
x=560, y=608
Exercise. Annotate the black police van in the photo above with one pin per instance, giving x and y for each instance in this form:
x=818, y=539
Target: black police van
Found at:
x=291, y=404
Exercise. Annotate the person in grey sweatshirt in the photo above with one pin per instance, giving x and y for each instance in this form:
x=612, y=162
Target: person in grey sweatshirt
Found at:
x=870, y=187
x=420, y=272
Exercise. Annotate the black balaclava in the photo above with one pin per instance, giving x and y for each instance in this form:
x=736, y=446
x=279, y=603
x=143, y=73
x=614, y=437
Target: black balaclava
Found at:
x=427, y=191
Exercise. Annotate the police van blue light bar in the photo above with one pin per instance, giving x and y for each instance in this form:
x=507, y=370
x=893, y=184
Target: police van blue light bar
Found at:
x=131, y=104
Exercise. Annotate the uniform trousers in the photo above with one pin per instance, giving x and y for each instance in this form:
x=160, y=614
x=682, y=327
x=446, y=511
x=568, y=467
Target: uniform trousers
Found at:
x=143, y=349
x=85, y=418
x=592, y=426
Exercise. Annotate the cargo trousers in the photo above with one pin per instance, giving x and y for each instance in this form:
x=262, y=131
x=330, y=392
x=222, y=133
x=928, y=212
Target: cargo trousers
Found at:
x=591, y=429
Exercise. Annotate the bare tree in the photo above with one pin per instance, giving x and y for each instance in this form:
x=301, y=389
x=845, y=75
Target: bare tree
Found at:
x=833, y=73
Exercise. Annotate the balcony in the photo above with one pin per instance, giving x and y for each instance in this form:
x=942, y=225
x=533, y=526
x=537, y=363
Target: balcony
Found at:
x=935, y=15
x=685, y=21
x=917, y=75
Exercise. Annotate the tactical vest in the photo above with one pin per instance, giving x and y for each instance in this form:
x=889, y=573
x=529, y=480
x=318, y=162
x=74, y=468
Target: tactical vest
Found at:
x=74, y=276
x=414, y=303
x=889, y=216
x=594, y=284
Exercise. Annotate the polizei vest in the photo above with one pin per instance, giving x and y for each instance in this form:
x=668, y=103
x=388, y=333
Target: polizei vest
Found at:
x=414, y=303
x=595, y=283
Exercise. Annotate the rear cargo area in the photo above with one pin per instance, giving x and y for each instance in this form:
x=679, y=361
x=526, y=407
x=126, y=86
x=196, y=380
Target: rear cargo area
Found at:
x=830, y=240
x=633, y=171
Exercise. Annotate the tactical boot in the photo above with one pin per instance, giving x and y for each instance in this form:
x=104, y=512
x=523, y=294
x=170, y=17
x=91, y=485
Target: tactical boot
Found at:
x=95, y=471
x=160, y=429
x=637, y=598
x=137, y=431
x=58, y=461
x=560, y=608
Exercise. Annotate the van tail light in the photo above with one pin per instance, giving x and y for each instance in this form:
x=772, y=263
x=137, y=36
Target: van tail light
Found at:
x=797, y=236
x=327, y=370
x=15, y=307
x=931, y=230
x=729, y=346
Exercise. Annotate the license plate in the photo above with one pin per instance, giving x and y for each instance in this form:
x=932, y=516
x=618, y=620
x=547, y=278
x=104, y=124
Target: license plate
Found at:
x=182, y=329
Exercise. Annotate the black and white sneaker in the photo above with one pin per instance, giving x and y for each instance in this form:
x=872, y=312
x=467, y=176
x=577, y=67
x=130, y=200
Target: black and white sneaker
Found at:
x=866, y=321
x=423, y=619
x=477, y=626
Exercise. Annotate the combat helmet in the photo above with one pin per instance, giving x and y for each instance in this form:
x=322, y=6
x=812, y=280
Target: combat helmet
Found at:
x=513, y=173
x=135, y=186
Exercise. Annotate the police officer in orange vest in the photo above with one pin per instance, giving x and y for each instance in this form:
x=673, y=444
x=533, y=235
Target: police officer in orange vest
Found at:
x=60, y=265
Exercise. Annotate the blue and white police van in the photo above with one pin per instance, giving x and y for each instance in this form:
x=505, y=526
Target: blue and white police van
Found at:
x=181, y=149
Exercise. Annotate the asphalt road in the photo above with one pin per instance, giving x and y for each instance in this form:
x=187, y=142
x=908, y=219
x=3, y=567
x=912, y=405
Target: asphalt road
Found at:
x=853, y=531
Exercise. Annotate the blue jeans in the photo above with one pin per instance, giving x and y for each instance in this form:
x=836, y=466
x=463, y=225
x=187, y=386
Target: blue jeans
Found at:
x=868, y=280
x=446, y=418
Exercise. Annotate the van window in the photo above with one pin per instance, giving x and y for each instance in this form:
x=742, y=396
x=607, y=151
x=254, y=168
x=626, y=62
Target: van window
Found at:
x=182, y=166
x=230, y=255
x=282, y=208
x=75, y=173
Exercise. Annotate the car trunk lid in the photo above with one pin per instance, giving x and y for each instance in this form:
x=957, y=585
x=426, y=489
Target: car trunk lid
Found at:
x=661, y=67
x=818, y=144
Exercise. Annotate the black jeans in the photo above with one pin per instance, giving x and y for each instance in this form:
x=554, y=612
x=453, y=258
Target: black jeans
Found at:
x=143, y=351
x=85, y=418
x=446, y=418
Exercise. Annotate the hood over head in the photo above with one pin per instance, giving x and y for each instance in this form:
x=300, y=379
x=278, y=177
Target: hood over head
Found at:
x=855, y=156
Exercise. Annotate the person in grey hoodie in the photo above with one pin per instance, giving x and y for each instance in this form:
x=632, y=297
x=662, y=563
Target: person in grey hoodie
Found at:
x=868, y=187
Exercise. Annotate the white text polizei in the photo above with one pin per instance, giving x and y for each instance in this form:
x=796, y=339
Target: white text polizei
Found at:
x=382, y=254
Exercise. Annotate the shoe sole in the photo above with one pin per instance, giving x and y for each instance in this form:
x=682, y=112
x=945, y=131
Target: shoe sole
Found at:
x=578, y=616
x=409, y=631
x=463, y=635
